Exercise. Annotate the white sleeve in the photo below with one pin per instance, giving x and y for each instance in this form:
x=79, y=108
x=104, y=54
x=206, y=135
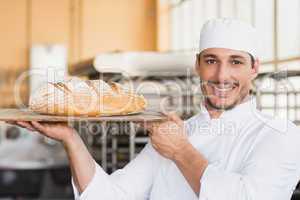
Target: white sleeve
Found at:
x=270, y=172
x=100, y=179
x=133, y=182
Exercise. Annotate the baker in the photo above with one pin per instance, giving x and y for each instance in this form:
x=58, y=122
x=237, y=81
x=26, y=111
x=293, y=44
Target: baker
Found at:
x=229, y=151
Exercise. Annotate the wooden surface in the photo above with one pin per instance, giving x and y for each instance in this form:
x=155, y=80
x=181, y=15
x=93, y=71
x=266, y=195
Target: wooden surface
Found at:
x=118, y=25
x=14, y=34
x=27, y=115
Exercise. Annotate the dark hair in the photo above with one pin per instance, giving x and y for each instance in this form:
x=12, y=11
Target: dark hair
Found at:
x=252, y=60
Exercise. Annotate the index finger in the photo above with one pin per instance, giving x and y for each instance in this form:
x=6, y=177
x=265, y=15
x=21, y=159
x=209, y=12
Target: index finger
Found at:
x=175, y=118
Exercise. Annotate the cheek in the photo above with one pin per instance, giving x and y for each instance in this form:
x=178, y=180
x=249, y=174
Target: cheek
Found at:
x=245, y=80
x=206, y=90
x=206, y=72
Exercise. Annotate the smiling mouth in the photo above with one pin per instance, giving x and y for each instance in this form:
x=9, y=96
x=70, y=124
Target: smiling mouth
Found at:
x=223, y=90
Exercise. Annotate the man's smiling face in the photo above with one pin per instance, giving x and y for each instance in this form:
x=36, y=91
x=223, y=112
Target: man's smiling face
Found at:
x=226, y=76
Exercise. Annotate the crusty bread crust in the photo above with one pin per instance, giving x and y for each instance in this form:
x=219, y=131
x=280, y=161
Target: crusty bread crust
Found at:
x=88, y=98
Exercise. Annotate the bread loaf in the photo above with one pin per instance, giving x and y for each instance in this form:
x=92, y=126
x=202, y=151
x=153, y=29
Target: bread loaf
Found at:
x=76, y=97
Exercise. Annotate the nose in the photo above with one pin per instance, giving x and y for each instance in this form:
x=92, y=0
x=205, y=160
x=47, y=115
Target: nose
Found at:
x=223, y=73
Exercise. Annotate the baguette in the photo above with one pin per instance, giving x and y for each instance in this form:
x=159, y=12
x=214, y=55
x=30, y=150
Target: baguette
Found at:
x=76, y=97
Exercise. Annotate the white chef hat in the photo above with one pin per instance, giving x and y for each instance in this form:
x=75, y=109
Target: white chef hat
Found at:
x=230, y=34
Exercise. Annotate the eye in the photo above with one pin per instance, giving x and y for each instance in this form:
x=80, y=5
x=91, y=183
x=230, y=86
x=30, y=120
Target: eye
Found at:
x=211, y=61
x=237, y=62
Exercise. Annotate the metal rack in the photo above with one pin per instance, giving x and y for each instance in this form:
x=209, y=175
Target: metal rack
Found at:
x=284, y=91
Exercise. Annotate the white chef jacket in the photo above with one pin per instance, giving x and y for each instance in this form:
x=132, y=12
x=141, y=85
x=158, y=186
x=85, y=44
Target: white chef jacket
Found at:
x=251, y=157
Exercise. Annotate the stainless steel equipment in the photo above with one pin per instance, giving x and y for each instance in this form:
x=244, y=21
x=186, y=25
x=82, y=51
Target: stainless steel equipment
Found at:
x=278, y=93
x=32, y=166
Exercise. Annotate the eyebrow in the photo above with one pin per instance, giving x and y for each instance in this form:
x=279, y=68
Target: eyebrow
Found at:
x=237, y=56
x=209, y=55
x=215, y=56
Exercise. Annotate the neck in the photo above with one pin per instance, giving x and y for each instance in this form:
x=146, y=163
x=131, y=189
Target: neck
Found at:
x=215, y=113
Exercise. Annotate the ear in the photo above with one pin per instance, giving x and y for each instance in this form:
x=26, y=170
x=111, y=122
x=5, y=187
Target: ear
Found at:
x=255, y=69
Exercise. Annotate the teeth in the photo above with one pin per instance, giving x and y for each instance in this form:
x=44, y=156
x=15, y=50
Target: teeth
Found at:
x=221, y=92
x=223, y=89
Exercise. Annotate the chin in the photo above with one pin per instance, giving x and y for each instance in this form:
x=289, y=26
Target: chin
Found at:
x=222, y=104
